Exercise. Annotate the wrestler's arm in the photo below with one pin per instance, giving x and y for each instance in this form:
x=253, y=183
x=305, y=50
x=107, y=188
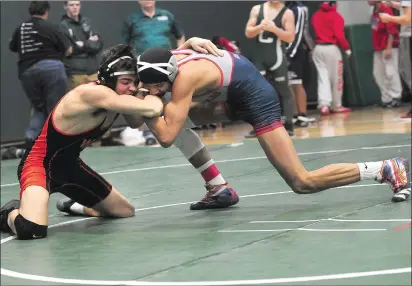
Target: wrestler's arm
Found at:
x=135, y=121
x=252, y=30
x=285, y=33
x=202, y=46
x=98, y=96
x=166, y=128
x=404, y=19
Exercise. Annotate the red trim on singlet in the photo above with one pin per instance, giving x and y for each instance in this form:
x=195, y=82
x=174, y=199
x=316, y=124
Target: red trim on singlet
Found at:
x=74, y=134
x=108, y=186
x=182, y=51
x=33, y=172
x=274, y=125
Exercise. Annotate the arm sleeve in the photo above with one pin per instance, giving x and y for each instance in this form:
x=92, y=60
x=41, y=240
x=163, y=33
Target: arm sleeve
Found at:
x=63, y=42
x=93, y=47
x=175, y=28
x=339, y=29
x=14, y=41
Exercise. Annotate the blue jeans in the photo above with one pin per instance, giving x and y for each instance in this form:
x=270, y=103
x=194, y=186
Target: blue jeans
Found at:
x=44, y=83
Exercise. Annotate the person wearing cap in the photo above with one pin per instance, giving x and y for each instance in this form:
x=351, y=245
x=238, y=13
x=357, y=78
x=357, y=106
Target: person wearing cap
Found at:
x=231, y=88
x=53, y=163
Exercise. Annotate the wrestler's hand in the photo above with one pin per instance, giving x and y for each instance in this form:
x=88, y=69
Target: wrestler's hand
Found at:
x=156, y=103
x=268, y=25
x=203, y=46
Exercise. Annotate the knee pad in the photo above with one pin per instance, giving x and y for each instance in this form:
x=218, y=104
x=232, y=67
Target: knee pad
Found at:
x=188, y=142
x=26, y=229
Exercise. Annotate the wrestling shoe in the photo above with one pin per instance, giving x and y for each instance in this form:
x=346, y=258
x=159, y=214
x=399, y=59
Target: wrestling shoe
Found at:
x=4, y=214
x=64, y=205
x=217, y=197
x=396, y=173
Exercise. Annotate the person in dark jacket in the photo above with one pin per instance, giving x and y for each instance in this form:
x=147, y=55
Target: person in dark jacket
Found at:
x=82, y=65
x=41, y=47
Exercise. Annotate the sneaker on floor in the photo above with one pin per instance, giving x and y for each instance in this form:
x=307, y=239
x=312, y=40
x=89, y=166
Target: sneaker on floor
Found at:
x=396, y=102
x=395, y=172
x=324, y=110
x=64, y=205
x=305, y=118
x=407, y=115
x=341, y=109
x=217, y=197
x=300, y=123
x=4, y=214
x=251, y=134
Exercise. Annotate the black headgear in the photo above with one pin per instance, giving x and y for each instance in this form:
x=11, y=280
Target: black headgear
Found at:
x=157, y=65
x=107, y=74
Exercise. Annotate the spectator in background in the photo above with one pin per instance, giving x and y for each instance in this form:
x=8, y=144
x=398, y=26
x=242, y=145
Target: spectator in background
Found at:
x=41, y=46
x=329, y=29
x=296, y=53
x=405, y=53
x=150, y=27
x=271, y=24
x=82, y=65
x=385, y=43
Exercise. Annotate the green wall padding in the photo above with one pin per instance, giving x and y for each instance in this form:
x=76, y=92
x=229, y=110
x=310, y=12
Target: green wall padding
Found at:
x=360, y=88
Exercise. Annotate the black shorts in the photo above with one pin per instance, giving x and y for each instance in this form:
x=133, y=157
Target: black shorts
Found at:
x=295, y=68
x=73, y=179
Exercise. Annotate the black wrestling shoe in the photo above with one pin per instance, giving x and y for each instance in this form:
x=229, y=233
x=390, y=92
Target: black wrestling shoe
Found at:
x=251, y=134
x=4, y=214
x=64, y=205
x=217, y=197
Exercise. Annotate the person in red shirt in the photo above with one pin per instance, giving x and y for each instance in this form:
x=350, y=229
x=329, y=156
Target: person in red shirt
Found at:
x=385, y=43
x=329, y=29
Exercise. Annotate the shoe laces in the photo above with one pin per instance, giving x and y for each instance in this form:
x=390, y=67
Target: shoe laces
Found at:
x=211, y=190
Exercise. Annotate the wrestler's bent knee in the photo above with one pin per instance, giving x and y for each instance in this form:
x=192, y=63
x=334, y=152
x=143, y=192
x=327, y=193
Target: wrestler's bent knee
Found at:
x=121, y=212
x=125, y=212
x=26, y=229
x=304, y=185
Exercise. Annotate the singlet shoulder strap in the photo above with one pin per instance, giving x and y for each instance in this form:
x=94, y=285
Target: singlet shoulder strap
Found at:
x=261, y=13
x=282, y=12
